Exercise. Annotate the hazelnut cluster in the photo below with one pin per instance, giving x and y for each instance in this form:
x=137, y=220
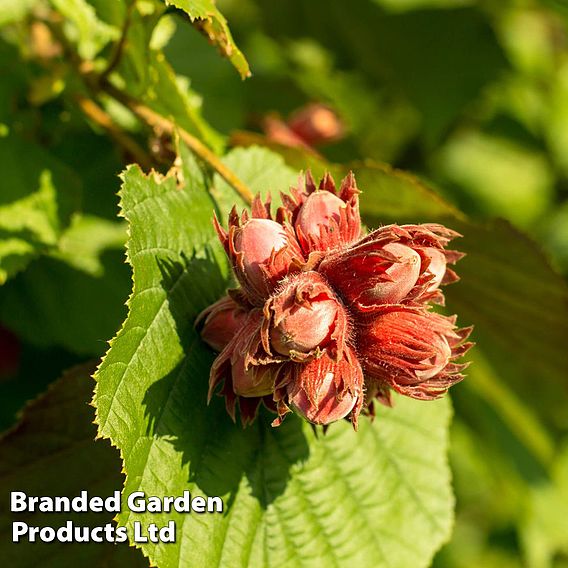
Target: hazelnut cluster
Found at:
x=326, y=321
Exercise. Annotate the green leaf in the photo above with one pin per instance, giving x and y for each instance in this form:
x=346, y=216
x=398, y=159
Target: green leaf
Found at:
x=222, y=89
x=27, y=226
x=32, y=211
x=138, y=23
x=83, y=243
x=379, y=497
x=84, y=27
x=170, y=95
x=11, y=12
x=75, y=277
x=545, y=525
x=260, y=169
x=397, y=196
x=54, y=304
x=494, y=173
x=406, y=5
x=52, y=452
x=510, y=290
x=78, y=269
x=208, y=19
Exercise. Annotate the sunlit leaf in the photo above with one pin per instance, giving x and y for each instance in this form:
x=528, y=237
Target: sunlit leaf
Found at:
x=14, y=11
x=89, y=32
x=207, y=17
x=261, y=170
x=83, y=243
x=37, y=197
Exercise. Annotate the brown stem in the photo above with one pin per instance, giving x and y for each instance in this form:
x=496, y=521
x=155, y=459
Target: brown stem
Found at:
x=100, y=117
x=119, y=46
x=156, y=120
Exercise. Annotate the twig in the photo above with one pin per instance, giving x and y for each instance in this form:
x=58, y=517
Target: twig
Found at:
x=100, y=117
x=156, y=120
x=119, y=46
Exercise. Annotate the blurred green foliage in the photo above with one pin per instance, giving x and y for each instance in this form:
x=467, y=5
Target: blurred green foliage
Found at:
x=469, y=95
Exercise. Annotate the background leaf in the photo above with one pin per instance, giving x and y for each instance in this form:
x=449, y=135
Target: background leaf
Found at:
x=546, y=526
x=82, y=244
x=56, y=435
x=14, y=11
x=37, y=199
x=89, y=32
x=206, y=15
x=67, y=296
x=261, y=170
x=411, y=52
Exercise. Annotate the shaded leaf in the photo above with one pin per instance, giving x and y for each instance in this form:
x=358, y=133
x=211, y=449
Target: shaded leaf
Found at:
x=53, y=304
x=52, y=452
x=33, y=369
x=518, y=301
x=494, y=173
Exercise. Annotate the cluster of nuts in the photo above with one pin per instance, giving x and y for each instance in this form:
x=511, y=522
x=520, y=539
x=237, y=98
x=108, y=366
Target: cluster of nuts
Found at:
x=326, y=320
